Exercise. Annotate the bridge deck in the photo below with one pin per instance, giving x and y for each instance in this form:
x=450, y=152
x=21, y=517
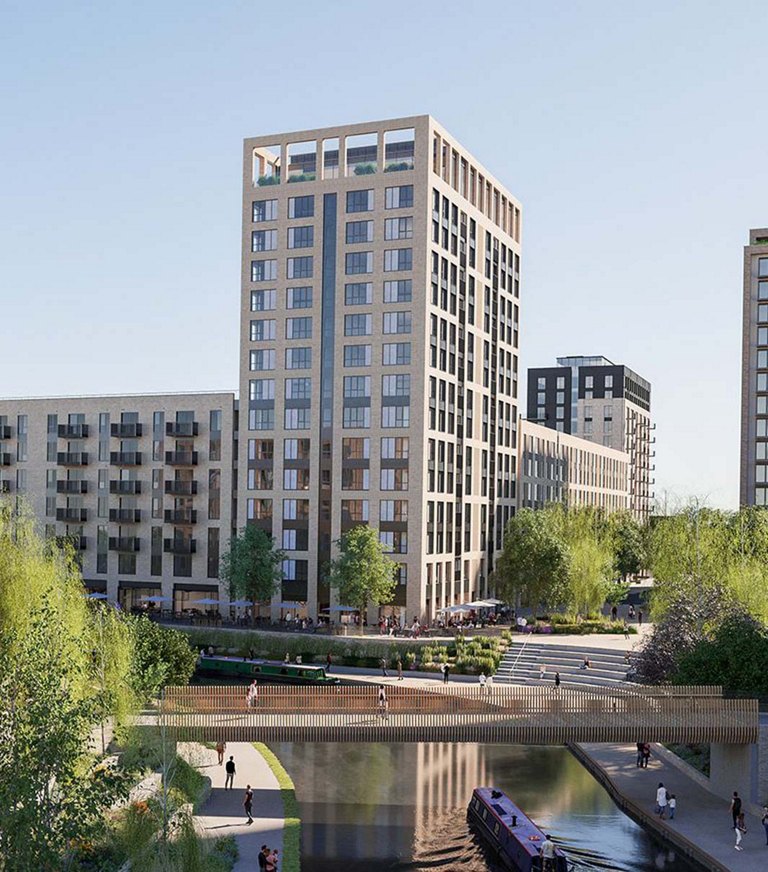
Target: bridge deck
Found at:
x=458, y=713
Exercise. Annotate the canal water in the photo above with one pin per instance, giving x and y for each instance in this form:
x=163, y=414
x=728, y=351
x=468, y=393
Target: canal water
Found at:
x=398, y=807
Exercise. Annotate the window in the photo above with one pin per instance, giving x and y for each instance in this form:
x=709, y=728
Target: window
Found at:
x=762, y=335
x=356, y=448
x=359, y=201
x=300, y=267
x=397, y=322
x=396, y=385
x=358, y=294
x=298, y=358
x=395, y=416
x=296, y=479
x=262, y=330
x=298, y=328
x=396, y=353
x=297, y=419
x=762, y=267
x=762, y=290
x=399, y=291
x=299, y=298
x=357, y=355
x=358, y=325
x=398, y=259
x=355, y=479
x=296, y=449
x=264, y=240
x=301, y=237
x=298, y=388
x=261, y=479
x=359, y=231
x=262, y=389
x=356, y=416
x=397, y=543
x=394, y=479
x=263, y=359
x=393, y=510
x=400, y=197
x=261, y=449
x=293, y=510
x=264, y=210
x=260, y=510
x=261, y=419
x=355, y=511
x=359, y=262
x=357, y=386
x=398, y=228
x=301, y=207
x=394, y=448
x=263, y=301
x=263, y=270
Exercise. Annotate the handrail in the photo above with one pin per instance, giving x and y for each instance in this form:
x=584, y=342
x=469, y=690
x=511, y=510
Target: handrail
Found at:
x=519, y=655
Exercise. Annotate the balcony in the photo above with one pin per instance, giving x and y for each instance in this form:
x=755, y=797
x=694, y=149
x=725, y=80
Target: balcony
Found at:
x=125, y=488
x=5, y=431
x=124, y=543
x=5, y=458
x=79, y=543
x=72, y=458
x=181, y=488
x=73, y=431
x=125, y=458
x=180, y=516
x=181, y=458
x=5, y=487
x=181, y=429
x=72, y=516
x=125, y=431
x=125, y=516
x=71, y=487
x=180, y=546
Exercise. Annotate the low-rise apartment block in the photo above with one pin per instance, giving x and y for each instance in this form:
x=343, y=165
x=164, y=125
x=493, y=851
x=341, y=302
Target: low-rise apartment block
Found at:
x=141, y=485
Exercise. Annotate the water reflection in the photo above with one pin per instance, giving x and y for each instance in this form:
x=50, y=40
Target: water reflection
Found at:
x=374, y=807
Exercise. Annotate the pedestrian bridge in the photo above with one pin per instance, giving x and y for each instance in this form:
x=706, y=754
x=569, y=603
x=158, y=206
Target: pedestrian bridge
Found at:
x=456, y=713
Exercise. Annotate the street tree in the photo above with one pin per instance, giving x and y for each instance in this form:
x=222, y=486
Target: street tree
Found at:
x=362, y=572
x=253, y=566
x=629, y=543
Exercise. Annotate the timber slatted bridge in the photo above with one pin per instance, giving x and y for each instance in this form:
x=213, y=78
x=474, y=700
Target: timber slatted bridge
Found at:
x=457, y=713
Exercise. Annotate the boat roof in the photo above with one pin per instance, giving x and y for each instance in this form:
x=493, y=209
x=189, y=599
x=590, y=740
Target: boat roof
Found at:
x=261, y=662
x=526, y=833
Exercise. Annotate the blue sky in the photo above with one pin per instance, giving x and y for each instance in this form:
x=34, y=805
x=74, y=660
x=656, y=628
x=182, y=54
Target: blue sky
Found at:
x=634, y=134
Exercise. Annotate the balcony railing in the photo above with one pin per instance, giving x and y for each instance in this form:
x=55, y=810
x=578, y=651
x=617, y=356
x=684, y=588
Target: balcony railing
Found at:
x=180, y=516
x=72, y=516
x=124, y=543
x=79, y=543
x=181, y=488
x=124, y=488
x=73, y=431
x=125, y=431
x=180, y=546
x=5, y=458
x=125, y=516
x=181, y=458
x=125, y=458
x=71, y=487
x=5, y=431
x=72, y=458
x=181, y=429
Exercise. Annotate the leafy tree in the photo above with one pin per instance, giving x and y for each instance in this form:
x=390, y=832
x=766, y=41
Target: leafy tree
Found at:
x=362, y=572
x=253, y=566
x=629, y=541
x=161, y=655
x=590, y=544
x=534, y=564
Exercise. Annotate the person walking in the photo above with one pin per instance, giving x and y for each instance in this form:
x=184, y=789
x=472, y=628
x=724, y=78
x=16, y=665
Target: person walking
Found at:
x=252, y=694
x=547, y=853
x=639, y=617
x=229, y=781
x=483, y=682
x=764, y=821
x=445, y=673
x=542, y=671
x=383, y=663
x=640, y=755
x=672, y=806
x=661, y=801
x=735, y=807
x=557, y=679
x=399, y=669
x=248, y=804
x=646, y=754
x=383, y=703
x=328, y=662
x=221, y=747
x=739, y=828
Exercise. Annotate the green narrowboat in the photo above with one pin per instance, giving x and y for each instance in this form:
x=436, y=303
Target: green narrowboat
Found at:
x=264, y=671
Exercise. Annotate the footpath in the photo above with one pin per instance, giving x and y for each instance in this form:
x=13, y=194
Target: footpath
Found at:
x=223, y=813
x=702, y=827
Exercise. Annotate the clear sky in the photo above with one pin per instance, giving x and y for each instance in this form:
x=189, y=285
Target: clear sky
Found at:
x=635, y=135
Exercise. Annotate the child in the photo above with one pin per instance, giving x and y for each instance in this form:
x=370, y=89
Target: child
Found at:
x=672, y=806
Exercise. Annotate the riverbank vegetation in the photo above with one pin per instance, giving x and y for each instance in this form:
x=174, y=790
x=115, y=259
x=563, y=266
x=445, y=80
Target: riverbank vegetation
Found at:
x=291, y=859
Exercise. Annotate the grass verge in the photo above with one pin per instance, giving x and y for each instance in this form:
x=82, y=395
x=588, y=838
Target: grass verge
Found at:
x=291, y=861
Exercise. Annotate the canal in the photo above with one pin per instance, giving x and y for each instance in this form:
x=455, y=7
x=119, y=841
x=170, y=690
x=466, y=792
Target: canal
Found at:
x=397, y=807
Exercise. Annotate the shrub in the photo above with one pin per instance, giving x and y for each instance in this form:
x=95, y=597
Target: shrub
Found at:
x=365, y=169
x=264, y=181
x=397, y=167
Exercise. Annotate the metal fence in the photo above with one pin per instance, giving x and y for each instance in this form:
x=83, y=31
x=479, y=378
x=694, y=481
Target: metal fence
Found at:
x=509, y=714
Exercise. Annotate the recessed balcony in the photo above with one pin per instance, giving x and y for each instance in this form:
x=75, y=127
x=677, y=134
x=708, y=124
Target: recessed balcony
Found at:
x=181, y=488
x=180, y=516
x=72, y=516
x=71, y=487
x=180, y=546
x=125, y=431
x=181, y=429
x=125, y=516
x=73, y=431
x=5, y=487
x=79, y=543
x=124, y=488
x=72, y=458
x=181, y=458
x=5, y=431
x=125, y=458
x=124, y=543
x=5, y=458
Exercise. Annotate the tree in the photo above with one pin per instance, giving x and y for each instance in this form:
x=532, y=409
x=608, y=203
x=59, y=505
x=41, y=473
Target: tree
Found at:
x=253, y=566
x=161, y=655
x=629, y=538
x=363, y=572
